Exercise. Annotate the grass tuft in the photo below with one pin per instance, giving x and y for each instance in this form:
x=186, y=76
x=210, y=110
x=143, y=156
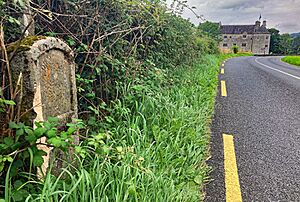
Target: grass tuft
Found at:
x=163, y=141
x=293, y=60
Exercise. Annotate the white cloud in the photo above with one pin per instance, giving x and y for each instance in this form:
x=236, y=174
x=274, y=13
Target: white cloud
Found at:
x=283, y=15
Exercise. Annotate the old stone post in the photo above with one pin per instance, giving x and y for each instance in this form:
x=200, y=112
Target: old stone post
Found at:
x=47, y=68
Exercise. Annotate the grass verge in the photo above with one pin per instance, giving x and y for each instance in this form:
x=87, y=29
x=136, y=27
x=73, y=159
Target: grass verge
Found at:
x=231, y=55
x=293, y=60
x=161, y=143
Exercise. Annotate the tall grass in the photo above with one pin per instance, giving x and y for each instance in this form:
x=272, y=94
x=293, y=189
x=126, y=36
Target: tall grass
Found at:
x=293, y=60
x=163, y=144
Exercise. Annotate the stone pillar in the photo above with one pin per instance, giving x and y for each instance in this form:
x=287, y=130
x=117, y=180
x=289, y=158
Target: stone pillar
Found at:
x=46, y=66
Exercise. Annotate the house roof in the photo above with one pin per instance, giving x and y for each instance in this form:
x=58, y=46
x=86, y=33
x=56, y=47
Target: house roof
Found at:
x=240, y=29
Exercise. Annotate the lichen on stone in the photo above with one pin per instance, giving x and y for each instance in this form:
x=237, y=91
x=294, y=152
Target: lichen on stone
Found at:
x=23, y=44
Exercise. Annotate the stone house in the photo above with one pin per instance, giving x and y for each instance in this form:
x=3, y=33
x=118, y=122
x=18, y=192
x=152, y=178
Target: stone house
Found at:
x=249, y=38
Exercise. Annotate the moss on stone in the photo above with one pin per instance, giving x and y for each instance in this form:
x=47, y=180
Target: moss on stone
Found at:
x=24, y=44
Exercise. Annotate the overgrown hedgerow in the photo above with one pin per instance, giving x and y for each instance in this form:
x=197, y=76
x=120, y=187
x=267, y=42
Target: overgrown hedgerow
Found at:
x=156, y=149
x=146, y=88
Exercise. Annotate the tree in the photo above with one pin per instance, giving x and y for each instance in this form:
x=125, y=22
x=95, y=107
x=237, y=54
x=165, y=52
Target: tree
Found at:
x=286, y=42
x=211, y=29
x=275, y=41
x=296, y=45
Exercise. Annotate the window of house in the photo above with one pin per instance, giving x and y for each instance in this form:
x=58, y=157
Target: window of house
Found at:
x=244, y=44
x=224, y=44
x=267, y=37
x=225, y=37
x=266, y=46
x=244, y=36
x=230, y=37
x=234, y=44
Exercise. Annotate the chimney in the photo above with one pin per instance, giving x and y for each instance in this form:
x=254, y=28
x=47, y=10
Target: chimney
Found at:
x=257, y=24
x=264, y=23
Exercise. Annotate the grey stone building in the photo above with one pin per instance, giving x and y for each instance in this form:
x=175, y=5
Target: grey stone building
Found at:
x=249, y=38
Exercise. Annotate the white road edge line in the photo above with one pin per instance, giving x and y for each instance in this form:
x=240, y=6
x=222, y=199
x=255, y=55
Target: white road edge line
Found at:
x=296, y=77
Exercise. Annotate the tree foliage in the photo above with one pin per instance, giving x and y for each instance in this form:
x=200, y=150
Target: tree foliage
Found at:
x=211, y=29
x=283, y=43
x=296, y=45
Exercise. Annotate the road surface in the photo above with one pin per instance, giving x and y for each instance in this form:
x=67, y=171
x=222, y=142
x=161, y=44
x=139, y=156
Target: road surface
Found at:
x=258, y=107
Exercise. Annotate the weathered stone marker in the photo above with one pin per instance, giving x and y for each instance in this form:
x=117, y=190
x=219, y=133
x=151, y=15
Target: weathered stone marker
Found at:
x=47, y=67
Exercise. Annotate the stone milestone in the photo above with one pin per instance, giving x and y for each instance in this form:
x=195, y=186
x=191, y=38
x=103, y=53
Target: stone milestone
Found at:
x=47, y=69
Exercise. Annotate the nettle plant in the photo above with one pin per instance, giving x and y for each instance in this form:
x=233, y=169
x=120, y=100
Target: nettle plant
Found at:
x=19, y=152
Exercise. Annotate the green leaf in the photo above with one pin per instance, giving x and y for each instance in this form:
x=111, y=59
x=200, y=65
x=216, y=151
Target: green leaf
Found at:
x=38, y=160
x=9, y=159
x=38, y=124
x=71, y=41
x=20, y=195
x=198, y=179
x=109, y=119
x=93, y=110
x=53, y=119
x=64, y=136
x=90, y=95
x=47, y=125
x=64, y=145
x=31, y=138
x=78, y=149
x=13, y=125
x=51, y=133
x=28, y=131
x=119, y=149
x=18, y=164
x=106, y=149
x=56, y=142
x=25, y=154
x=16, y=146
x=3, y=147
x=19, y=132
x=18, y=184
x=50, y=34
x=71, y=130
x=39, y=132
x=132, y=190
x=9, y=141
x=15, y=168
x=9, y=102
x=82, y=152
x=41, y=152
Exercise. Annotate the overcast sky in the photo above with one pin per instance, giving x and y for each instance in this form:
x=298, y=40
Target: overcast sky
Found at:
x=281, y=14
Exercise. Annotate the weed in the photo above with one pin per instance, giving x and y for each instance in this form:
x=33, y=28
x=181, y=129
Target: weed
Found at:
x=294, y=60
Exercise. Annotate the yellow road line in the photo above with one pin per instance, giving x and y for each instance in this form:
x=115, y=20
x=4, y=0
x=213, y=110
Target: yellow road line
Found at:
x=222, y=71
x=223, y=65
x=232, y=184
x=223, y=89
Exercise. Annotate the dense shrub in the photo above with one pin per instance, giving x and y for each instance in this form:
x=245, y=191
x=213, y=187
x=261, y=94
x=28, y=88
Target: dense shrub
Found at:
x=124, y=52
x=120, y=40
x=235, y=49
x=116, y=41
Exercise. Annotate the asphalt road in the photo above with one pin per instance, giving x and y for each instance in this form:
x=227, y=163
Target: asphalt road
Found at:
x=262, y=112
